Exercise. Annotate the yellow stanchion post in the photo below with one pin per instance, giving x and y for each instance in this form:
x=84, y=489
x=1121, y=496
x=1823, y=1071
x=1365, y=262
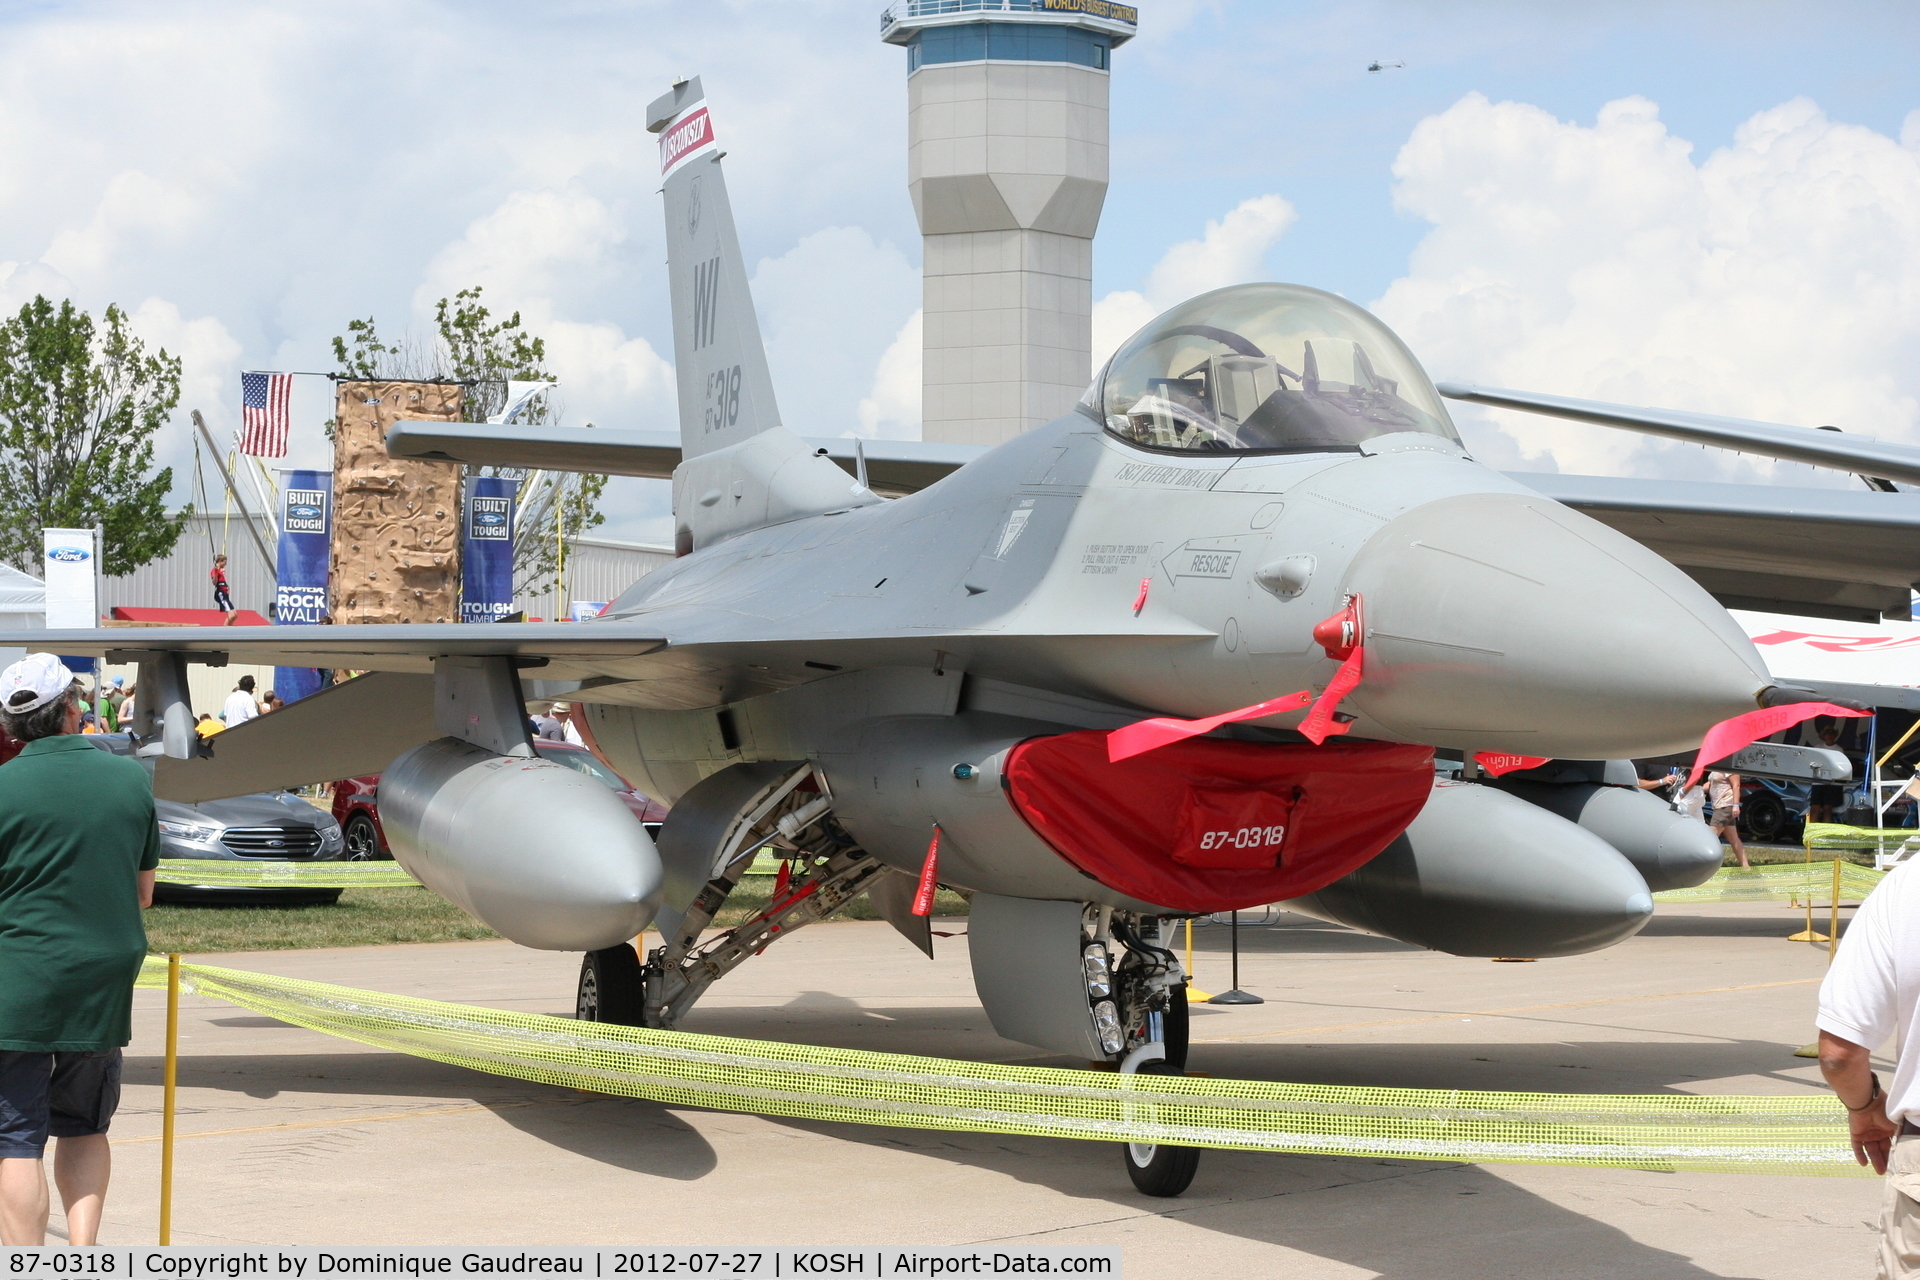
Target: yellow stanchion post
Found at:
x=1807, y=934
x=1193, y=992
x=1833, y=912
x=166, y=1098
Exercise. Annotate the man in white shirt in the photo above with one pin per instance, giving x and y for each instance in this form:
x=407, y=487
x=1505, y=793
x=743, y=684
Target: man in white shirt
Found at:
x=240, y=705
x=1871, y=993
x=563, y=712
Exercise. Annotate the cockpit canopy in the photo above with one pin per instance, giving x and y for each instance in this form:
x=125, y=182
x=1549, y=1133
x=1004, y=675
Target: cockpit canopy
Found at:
x=1266, y=368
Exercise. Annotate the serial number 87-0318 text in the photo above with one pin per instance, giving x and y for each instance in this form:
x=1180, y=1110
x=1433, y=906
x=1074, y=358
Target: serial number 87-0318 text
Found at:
x=90, y=1263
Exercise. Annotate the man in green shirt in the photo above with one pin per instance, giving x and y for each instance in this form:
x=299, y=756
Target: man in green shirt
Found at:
x=71, y=942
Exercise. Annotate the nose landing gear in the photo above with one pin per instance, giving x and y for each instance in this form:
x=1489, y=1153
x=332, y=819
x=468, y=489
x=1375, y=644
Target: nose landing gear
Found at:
x=1153, y=992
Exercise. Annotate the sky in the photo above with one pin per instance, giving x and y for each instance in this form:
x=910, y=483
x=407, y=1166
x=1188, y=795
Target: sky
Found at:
x=1707, y=206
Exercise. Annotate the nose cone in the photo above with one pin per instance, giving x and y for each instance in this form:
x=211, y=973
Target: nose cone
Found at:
x=1507, y=622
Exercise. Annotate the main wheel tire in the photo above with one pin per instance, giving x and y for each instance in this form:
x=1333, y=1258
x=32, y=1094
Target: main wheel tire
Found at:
x=362, y=839
x=612, y=988
x=1157, y=1169
x=1765, y=816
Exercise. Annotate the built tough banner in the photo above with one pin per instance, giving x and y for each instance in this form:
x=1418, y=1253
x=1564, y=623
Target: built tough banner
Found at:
x=300, y=599
x=486, y=583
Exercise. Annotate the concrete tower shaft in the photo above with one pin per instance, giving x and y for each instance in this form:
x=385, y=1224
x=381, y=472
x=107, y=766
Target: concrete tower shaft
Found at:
x=1007, y=165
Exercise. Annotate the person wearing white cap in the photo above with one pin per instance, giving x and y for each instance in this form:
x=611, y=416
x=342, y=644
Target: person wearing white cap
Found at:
x=71, y=943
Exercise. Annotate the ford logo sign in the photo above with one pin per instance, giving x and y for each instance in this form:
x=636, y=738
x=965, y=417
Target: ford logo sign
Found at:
x=69, y=555
x=304, y=512
x=276, y=844
x=489, y=517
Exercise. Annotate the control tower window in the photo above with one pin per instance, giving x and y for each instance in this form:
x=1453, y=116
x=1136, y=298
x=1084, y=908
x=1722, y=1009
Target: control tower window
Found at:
x=1261, y=368
x=1007, y=42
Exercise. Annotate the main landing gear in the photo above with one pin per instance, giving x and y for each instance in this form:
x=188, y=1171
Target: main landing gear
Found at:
x=827, y=870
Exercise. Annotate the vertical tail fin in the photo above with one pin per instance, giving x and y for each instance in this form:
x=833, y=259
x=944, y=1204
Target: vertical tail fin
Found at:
x=726, y=393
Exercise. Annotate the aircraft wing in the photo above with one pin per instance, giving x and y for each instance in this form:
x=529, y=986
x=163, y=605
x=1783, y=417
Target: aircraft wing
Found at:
x=1824, y=553
x=1817, y=447
x=894, y=467
x=564, y=647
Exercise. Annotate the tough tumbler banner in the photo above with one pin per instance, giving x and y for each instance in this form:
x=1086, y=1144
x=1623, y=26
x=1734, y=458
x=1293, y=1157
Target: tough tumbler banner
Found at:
x=486, y=584
x=300, y=599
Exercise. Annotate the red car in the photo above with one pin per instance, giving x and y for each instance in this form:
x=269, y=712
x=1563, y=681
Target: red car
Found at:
x=356, y=801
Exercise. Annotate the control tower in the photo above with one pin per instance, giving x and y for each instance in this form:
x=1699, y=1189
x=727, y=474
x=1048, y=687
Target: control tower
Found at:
x=1007, y=163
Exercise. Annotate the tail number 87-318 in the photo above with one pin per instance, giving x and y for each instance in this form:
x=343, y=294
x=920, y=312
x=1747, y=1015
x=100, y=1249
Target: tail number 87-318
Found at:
x=723, y=399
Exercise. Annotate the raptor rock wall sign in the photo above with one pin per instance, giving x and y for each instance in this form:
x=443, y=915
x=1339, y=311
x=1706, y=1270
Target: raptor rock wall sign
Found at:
x=396, y=522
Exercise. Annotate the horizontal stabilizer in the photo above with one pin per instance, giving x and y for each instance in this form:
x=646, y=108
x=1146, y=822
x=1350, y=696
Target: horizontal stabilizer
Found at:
x=653, y=454
x=1813, y=446
x=894, y=467
x=349, y=730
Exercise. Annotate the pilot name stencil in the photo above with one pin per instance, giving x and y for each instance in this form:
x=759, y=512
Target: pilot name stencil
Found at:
x=1146, y=473
x=1111, y=557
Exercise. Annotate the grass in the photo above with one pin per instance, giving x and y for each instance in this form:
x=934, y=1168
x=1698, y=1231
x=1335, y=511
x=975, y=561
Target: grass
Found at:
x=372, y=917
x=362, y=918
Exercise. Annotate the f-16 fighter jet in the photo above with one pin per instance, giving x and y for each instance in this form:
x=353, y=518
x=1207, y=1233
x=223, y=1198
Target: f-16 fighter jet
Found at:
x=1192, y=647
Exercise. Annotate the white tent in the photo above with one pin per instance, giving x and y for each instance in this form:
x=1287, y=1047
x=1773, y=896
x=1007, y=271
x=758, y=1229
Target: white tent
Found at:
x=23, y=607
x=1886, y=653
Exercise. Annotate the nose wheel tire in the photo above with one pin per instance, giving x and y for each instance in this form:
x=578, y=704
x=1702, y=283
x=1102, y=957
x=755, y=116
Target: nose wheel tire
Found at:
x=1157, y=1169
x=362, y=839
x=612, y=988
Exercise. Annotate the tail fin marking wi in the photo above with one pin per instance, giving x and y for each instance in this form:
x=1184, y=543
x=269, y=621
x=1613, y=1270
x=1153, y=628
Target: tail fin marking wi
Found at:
x=726, y=392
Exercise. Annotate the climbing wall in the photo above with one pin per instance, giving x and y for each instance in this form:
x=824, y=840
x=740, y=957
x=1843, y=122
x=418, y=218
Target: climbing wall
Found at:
x=396, y=523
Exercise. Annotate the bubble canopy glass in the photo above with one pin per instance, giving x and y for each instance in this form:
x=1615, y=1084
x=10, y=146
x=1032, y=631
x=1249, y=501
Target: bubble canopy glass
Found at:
x=1266, y=368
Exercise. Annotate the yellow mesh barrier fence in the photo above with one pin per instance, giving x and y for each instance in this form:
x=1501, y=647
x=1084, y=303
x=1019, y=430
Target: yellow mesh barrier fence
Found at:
x=1833, y=835
x=1783, y=882
x=283, y=875
x=1798, y=1133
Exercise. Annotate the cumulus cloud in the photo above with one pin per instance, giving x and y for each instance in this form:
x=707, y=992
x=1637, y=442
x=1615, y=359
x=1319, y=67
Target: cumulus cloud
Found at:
x=891, y=409
x=830, y=310
x=1232, y=250
x=1775, y=279
x=535, y=254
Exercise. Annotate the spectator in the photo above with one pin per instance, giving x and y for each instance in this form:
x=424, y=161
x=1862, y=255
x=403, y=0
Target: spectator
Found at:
x=106, y=705
x=240, y=705
x=1651, y=775
x=270, y=701
x=221, y=599
x=1867, y=998
x=1723, y=793
x=563, y=712
x=127, y=707
x=548, y=726
x=1826, y=796
x=71, y=943
x=208, y=726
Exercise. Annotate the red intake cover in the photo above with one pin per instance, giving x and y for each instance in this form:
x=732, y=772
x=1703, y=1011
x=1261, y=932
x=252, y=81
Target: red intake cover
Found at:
x=1213, y=825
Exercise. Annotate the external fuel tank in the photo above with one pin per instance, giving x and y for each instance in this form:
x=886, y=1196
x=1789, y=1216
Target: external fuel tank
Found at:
x=540, y=853
x=1483, y=873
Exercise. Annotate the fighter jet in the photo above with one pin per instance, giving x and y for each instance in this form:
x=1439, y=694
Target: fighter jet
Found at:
x=1249, y=625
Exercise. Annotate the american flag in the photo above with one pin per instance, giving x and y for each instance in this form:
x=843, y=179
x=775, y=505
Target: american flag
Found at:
x=263, y=413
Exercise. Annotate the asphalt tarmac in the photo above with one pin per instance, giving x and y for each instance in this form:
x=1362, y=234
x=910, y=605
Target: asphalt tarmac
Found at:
x=291, y=1137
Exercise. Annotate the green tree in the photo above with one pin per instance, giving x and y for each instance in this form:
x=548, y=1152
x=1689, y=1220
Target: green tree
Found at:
x=80, y=404
x=486, y=354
